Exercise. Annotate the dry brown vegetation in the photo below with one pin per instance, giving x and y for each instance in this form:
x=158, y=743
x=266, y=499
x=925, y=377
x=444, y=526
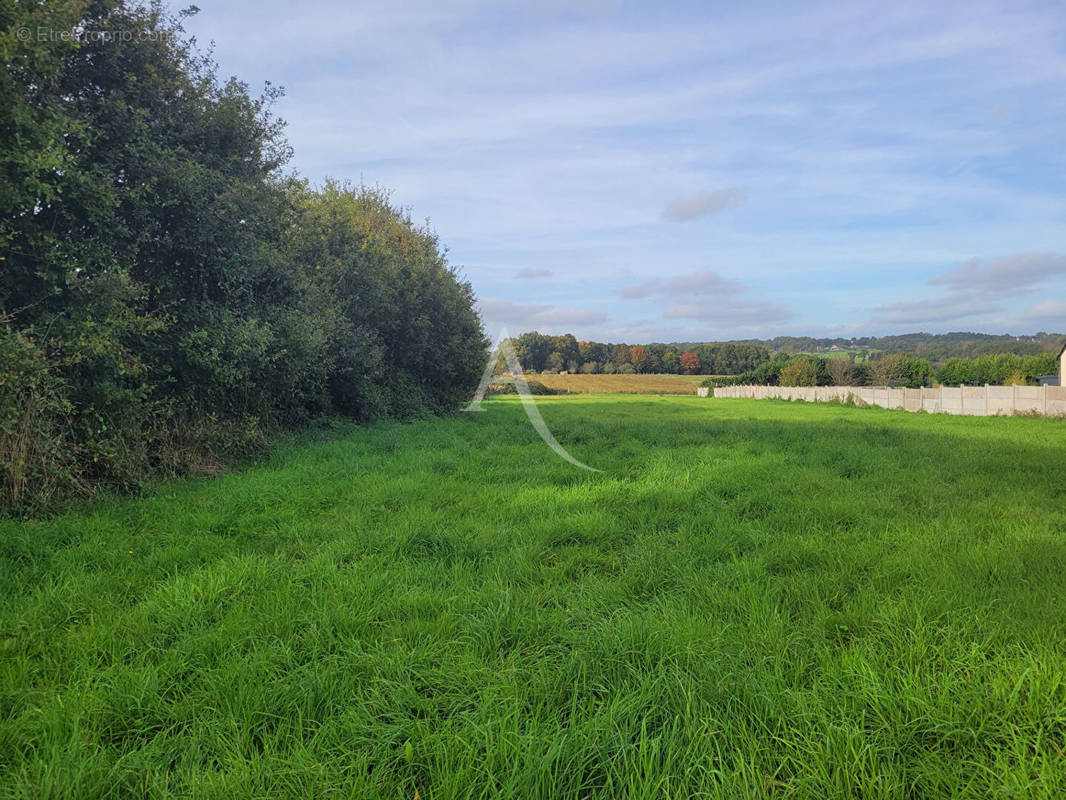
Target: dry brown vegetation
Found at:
x=622, y=384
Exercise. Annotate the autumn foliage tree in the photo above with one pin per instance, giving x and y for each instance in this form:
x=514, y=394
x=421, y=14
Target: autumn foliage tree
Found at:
x=690, y=363
x=638, y=357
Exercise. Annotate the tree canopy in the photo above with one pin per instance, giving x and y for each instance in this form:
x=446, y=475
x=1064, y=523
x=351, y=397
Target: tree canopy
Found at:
x=167, y=289
x=538, y=352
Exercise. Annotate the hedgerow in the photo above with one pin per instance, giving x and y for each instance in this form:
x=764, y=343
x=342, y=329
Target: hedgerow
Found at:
x=168, y=293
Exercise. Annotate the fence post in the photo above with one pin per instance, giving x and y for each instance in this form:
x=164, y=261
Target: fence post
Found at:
x=1045, y=399
x=1013, y=398
x=986, y=400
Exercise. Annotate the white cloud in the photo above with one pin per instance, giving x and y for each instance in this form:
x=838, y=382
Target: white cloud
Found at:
x=875, y=142
x=1007, y=275
x=541, y=316
x=640, y=290
x=700, y=282
x=743, y=313
x=712, y=299
x=977, y=291
x=1051, y=311
x=694, y=206
x=533, y=273
x=938, y=310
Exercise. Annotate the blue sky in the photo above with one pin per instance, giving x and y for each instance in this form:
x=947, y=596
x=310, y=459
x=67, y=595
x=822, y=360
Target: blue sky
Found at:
x=655, y=172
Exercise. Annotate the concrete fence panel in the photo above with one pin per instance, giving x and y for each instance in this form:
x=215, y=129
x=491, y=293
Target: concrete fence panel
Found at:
x=978, y=401
x=1055, y=404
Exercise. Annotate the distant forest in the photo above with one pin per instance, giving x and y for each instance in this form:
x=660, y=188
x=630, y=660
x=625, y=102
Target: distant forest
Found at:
x=539, y=353
x=935, y=347
x=542, y=353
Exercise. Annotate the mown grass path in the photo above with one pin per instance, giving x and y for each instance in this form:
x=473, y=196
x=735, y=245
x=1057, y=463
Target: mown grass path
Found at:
x=754, y=599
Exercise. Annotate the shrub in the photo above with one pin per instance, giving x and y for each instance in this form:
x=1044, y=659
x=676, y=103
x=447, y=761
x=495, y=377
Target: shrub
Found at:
x=799, y=372
x=535, y=387
x=36, y=453
x=860, y=374
x=901, y=369
x=999, y=369
x=839, y=371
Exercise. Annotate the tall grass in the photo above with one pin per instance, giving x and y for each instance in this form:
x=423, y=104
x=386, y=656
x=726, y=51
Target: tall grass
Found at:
x=755, y=599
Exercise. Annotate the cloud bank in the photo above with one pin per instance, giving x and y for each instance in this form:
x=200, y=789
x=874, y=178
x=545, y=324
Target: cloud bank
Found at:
x=533, y=273
x=978, y=290
x=1014, y=273
x=696, y=206
x=866, y=146
x=539, y=316
x=721, y=301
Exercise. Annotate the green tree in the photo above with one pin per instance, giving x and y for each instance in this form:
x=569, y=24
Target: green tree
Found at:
x=566, y=346
x=671, y=362
x=901, y=369
x=592, y=351
x=799, y=372
x=532, y=350
x=618, y=354
x=177, y=290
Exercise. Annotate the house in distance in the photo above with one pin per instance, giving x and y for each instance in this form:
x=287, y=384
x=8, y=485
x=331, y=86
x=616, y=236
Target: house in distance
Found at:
x=1060, y=379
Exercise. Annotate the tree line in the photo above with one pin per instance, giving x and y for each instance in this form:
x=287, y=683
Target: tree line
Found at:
x=747, y=362
x=898, y=369
x=167, y=290
x=542, y=353
x=935, y=347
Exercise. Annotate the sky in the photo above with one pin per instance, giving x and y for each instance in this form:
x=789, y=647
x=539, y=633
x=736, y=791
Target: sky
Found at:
x=646, y=172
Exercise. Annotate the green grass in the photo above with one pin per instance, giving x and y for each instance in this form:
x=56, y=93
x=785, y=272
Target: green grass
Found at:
x=755, y=599
x=861, y=354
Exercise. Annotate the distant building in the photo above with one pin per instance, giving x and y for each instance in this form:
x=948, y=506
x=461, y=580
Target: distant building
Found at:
x=1055, y=380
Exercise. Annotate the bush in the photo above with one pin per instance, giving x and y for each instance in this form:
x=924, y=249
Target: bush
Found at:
x=1000, y=369
x=535, y=387
x=839, y=371
x=36, y=453
x=901, y=369
x=173, y=296
x=800, y=372
x=860, y=374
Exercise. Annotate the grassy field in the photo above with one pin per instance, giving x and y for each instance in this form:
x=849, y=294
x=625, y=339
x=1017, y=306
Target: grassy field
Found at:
x=754, y=599
x=623, y=384
x=860, y=355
